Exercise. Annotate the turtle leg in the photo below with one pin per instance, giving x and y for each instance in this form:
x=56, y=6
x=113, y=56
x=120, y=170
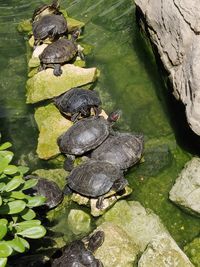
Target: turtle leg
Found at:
x=69, y=163
x=75, y=116
x=119, y=184
x=81, y=55
x=95, y=241
x=36, y=42
x=99, y=204
x=85, y=112
x=42, y=67
x=57, y=70
x=67, y=191
x=97, y=111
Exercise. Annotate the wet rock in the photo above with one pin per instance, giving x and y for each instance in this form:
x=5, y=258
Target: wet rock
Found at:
x=173, y=28
x=118, y=249
x=45, y=85
x=79, y=222
x=193, y=251
x=51, y=125
x=186, y=191
x=163, y=251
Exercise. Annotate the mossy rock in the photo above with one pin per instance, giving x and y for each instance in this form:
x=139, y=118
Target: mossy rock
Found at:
x=51, y=125
x=193, y=251
x=44, y=85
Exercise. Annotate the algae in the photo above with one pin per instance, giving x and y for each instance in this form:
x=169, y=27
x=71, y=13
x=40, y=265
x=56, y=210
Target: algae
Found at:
x=192, y=250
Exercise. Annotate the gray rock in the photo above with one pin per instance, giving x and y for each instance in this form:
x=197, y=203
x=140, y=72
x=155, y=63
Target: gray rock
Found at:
x=174, y=27
x=186, y=191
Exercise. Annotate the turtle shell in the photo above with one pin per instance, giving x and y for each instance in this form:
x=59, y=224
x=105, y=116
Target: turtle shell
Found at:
x=84, y=136
x=50, y=190
x=121, y=149
x=76, y=99
x=93, y=178
x=43, y=28
x=60, y=51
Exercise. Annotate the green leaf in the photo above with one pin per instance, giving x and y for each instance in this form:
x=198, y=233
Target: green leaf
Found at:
x=29, y=183
x=3, y=230
x=27, y=224
x=35, y=201
x=26, y=244
x=23, y=169
x=5, y=250
x=2, y=186
x=16, y=194
x=10, y=169
x=5, y=146
x=1, y=201
x=28, y=214
x=34, y=232
x=3, y=262
x=14, y=183
x=13, y=207
x=16, y=244
x=7, y=155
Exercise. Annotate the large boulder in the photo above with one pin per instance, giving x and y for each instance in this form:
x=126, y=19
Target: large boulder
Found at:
x=173, y=27
x=186, y=190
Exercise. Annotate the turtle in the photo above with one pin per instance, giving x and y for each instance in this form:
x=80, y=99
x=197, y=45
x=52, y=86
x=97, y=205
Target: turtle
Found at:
x=78, y=254
x=78, y=102
x=122, y=149
x=49, y=26
x=95, y=179
x=46, y=9
x=59, y=52
x=48, y=189
x=85, y=135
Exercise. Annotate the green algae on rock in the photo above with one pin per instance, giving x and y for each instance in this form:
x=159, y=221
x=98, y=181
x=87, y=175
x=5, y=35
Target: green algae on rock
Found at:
x=45, y=85
x=118, y=249
x=79, y=221
x=51, y=125
x=192, y=250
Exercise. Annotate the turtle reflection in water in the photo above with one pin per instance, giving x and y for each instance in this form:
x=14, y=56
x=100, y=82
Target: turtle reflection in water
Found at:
x=60, y=52
x=95, y=179
x=80, y=252
x=78, y=102
x=46, y=9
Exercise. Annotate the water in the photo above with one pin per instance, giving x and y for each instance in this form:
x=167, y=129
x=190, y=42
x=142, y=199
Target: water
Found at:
x=129, y=80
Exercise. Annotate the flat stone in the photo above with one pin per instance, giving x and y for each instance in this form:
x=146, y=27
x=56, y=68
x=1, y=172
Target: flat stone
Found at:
x=186, y=190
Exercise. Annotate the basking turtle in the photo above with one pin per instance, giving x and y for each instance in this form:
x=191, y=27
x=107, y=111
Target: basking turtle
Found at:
x=46, y=9
x=48, y=189
x=77, y=102
x=49, y=26
x=78, y=254
x=95, y=179
x=121, y=149
x=85, y=135
x=58, y=53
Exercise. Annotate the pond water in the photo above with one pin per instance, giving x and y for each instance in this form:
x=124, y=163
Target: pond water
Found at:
x=129, y=80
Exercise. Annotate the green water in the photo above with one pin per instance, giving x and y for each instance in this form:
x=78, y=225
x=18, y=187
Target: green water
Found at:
x=129, y=80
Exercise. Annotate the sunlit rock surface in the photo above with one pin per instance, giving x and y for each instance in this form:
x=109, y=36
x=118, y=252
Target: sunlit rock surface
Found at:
x=163, y=251
x=174, y=27
x=186, y=191
x=79, y=221
x=51, y=125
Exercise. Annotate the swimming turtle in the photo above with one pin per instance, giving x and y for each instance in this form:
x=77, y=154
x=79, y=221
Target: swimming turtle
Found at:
x=94, y=179
x=49, y=26
x=85, y=135
x=58, y=53
x=48, y=189
x=77, y=102
x=78, y=254
x=122, y=149
x=46, y=9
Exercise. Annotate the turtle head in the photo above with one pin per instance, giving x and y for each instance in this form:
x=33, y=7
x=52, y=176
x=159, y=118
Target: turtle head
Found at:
x=114, y=116
x=75, y=34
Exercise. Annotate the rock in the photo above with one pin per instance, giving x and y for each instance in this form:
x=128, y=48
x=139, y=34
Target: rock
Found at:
x=163, y=251
x=51, y=125
x=186, y=191
x=45, y=85
x=193, y=251
x=117, y=250
x=79, y=222
x=173, y=28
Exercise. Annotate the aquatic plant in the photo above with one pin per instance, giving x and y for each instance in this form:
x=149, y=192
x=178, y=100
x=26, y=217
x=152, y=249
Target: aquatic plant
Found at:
x=17, y=217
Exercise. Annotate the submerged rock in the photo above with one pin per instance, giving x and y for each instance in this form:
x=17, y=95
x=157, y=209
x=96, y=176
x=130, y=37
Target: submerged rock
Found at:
x=45, y=85
x=78, y=221
x=186, y=191
x=163, y=251
x=193, y=251
x=51, y=125
x=173, y=27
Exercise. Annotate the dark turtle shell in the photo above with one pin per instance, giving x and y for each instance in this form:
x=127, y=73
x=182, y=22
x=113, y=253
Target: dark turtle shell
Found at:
x=93, y=178
x=49, y=26
x=76, y=99
x=62, y=50
x=84, y=136
x=46, y=9
x=121, y=149
x=50, y=190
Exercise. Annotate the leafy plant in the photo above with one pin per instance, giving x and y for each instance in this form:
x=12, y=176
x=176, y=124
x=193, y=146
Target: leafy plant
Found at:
x=17, y=218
